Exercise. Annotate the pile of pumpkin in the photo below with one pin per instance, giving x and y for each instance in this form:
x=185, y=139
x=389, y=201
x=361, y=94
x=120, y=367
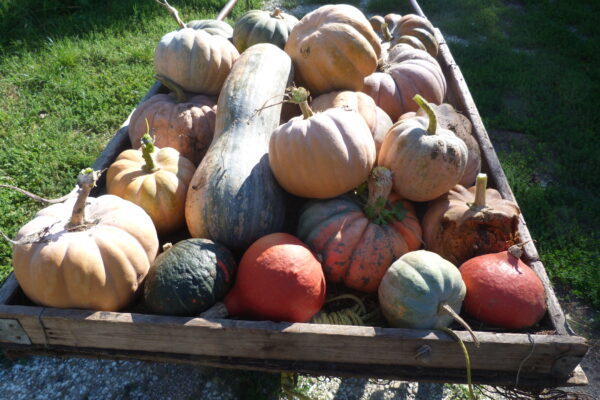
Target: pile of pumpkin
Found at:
x=279, y=207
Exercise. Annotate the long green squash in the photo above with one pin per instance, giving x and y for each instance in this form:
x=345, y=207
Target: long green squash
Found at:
x=233, y=197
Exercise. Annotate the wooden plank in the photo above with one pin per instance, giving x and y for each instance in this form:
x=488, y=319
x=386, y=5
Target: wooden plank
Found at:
x=29, y=318
x=397, y=372
x=307, y=342
x=466, y=104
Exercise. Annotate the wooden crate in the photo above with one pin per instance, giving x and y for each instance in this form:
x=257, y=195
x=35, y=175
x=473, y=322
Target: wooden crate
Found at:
x=547, y=358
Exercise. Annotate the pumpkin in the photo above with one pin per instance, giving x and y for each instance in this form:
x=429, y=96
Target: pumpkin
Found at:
x=189, y=277
x=279, y=279
x=86, y=252
x=465, y=223
x=408, y=72
x=156, y=180
x=321, y=155
x=357, y=243
x=503, y=291
x=257, y=26
x=418, y=291
x=426, y=160
x=211, y=26
x=333, y=48
x=449, y=118
x=377, y=120
x=186, y=125
x=392, y=20
x=195, y=60
x=233, y=197
x=408, y=23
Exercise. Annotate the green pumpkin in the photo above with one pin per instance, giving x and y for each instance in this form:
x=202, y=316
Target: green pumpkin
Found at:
x=415, y=288
x=258, y=26
x=189, y=278
x=212, y=26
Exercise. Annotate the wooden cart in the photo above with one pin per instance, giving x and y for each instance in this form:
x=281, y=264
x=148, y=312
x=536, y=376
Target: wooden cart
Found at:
x=548, y=358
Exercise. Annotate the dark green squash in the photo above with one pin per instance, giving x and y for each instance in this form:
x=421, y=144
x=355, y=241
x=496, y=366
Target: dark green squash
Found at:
x=258, y=26
x=189, y=278
x=233, y=197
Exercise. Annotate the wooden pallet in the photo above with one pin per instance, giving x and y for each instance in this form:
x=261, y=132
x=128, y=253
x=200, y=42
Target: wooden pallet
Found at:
x=547, y=358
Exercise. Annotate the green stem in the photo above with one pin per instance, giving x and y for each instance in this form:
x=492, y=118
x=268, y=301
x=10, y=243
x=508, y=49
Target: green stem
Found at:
x=180, y=95
x=432, y=127
x=446, y=307
x=147, y=150
x=380, y=186
x=467, y=360
x=387, y=35
x=86, y=180
x=300, y=96
x=480, y=188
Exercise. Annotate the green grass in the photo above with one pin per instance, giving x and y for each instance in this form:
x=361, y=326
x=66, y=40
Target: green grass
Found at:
x=70, y=74
x=531, y=67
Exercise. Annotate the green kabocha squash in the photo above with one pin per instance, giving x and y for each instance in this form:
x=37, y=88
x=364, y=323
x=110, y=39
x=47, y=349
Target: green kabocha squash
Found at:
x=258, y=26
x=417, y=290
x=233, y=197
x=189, y=278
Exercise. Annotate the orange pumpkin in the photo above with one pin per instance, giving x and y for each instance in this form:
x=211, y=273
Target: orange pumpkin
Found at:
x=155, y=179
x=426, y=160
x=333, y=48
x=186, y=125
x=407, y=72
x=321, y=155
x=465, y=223
x=357, y=244
x=87, y=252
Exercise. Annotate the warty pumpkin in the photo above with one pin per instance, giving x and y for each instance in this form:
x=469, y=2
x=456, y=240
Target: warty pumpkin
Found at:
x=195, y=60
x=357, y=241
x=426, y=160
x=233, y=197
x=186, y=125
x=86, y=252
x=407, y=72
x=321, y=155
x=257, y=26
x=333, y=48
x=465, y=223
x=156, y=180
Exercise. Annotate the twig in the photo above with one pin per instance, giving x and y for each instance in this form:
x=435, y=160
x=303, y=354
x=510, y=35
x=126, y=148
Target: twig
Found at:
x=35, y=197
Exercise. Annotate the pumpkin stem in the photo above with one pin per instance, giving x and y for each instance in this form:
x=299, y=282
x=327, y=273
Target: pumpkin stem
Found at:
x=467, y=360
x=277, y=13
x=173, y=11
x=180, y=96
x=387, y=35
x=446, y=307
x=299, y=95
x=432, y=127
x=480, y=187
x=148, y=149
x=37, y=198
x=379, y=184
x=86, y=180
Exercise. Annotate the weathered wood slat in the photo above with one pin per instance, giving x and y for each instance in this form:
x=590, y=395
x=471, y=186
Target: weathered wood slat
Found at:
x=29, y=318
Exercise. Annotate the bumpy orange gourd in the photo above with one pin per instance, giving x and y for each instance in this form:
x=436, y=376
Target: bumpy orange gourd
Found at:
x=333, y=48
x=426, y=160
x=465, y=223
x=186, y=125
x=357, y=243
x=156, y=180
x=87, y=252
x=321, y=155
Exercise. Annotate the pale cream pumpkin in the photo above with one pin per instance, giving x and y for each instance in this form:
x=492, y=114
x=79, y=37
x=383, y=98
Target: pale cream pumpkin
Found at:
x=90, y=253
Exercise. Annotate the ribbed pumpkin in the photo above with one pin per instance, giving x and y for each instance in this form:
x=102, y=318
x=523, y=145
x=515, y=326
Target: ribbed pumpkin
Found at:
x=90, y=253
x=418, y=289
x=233, y=197
x=358, y=244
x=211, y=26
x=503, y=291
x=465, y=223
x=195, y=60
x=186, y=125
x=408, y=72
x=321, y=155
x=426, y=160
x=377, y=120
x=333, y=48
x=257, y=26
x=417, y=32
x=189, y=277
x=156, y=180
